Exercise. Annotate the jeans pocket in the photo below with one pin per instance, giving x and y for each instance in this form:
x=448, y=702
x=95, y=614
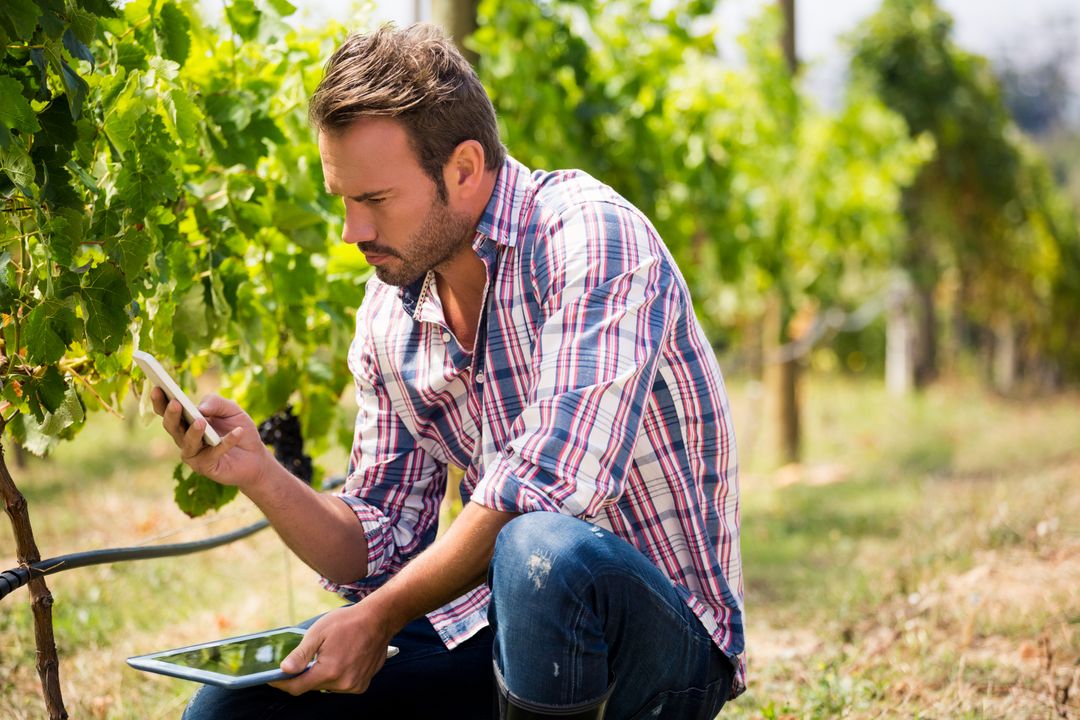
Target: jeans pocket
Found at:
x=690, y=704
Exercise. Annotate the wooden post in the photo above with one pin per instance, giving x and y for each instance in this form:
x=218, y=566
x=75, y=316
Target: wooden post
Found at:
x=899, y=338
x=784, y=387
x=41, y=600
x=458, y=19
x=1005, y=355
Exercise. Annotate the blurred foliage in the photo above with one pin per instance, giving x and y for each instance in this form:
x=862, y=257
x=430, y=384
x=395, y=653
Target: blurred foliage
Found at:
x=160, y=187
x=752, y=187
x=984, y=209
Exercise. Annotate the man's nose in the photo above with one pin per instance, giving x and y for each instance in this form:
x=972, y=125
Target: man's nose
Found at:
x=358, y=230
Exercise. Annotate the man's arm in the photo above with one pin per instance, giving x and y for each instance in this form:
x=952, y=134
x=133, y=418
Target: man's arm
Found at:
x=351, y=642
x=322, y=530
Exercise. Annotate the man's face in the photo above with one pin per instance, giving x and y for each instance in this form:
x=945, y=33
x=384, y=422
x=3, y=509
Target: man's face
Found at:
x=392, y=210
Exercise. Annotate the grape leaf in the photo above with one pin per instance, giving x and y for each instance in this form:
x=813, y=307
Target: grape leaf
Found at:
x=41, y=437
x=76, y=47
x=23, y=15
x=101, y=8
x=76, y=89
x=190, y=325
x=174, y=33
x=83, y=24
x=130, y=250
x=243, y=18
x=195, y=494
x=15, y=111
x=105, y=303
x=50, y=389
x=17, y=165
x=50, y=328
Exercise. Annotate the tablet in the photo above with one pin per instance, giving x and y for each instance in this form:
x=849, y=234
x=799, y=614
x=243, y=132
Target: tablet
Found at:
x=235, y=662
x=157, y=374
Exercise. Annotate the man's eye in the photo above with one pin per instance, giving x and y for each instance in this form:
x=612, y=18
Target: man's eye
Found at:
x=376, y=201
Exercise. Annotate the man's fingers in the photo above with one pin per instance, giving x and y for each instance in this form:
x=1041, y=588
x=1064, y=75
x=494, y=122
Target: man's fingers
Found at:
x=295, y=664
x=193, y=439
x=217, y=406
x=298, y=659
x=172, y=421
x=160, y=402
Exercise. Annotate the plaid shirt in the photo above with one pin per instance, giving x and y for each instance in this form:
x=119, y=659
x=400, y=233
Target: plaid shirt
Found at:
x=590, y=391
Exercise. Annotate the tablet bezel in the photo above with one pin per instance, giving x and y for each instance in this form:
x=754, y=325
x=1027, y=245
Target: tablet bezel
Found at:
x=151, y=662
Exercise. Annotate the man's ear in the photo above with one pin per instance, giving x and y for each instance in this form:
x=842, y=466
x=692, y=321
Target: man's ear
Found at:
x=464, y=171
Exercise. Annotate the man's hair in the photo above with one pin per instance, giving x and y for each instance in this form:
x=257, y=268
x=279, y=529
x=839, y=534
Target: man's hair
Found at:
x=418, y=77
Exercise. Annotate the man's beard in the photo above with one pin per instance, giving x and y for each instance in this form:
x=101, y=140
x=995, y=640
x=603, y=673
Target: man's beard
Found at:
x=441, y=236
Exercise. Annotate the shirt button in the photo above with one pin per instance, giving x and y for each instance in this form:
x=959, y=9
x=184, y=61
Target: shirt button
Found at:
x=480, y=376
x=446, y=337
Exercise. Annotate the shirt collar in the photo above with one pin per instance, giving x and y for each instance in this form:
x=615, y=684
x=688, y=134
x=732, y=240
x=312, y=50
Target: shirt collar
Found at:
x=508, y=206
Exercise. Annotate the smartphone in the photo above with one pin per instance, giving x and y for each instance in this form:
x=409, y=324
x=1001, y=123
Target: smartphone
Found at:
x=157, y=374
x=233, y=662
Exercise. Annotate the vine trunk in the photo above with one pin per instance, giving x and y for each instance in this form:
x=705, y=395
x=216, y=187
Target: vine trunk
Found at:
x=41, y=600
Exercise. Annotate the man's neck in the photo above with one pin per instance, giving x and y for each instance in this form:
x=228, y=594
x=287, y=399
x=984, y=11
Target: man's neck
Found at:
x=461, y=284
x=461, y=280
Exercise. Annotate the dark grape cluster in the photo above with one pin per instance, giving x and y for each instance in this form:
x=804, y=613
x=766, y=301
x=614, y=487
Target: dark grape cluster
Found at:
x=282, y=432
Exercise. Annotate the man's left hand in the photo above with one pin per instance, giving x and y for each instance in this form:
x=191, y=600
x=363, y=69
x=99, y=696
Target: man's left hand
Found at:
x=349, y=645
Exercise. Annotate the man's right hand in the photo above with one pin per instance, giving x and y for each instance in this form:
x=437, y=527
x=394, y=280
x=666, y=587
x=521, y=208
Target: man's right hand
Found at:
x=241, y=459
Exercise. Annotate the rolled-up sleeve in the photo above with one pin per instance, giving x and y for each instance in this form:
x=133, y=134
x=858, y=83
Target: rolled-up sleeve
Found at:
x=608, y=297
x=394, y=486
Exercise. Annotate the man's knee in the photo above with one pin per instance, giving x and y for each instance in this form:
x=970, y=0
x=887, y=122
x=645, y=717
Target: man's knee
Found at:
x=535, y=553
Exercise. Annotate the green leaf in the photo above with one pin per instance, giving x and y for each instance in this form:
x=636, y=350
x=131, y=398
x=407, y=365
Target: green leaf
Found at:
x=196, y=494
x=77, y=48
x=64, y=233
x=174, y=33
x=40, y=437
x=51, y=389
x=53, y=18
x=15, y=110
x=83, y=24
x=57, y=127
x=17, y=165
x=284, y=8
x=105, y=307
x=122, y=118
x=190, y=323
x=243, y=18
x=131, y=56
x=23, y=15
x=9, y=290
x=101, y=8
x=131, y=249
x=49, y=329
x=184, y=114
x=76, y=89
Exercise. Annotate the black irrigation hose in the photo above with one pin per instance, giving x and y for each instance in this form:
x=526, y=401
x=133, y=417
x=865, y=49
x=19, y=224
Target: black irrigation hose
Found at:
x=12, y=580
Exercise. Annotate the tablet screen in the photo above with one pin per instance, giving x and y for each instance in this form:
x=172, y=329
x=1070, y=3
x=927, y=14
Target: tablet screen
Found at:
x=239, y=657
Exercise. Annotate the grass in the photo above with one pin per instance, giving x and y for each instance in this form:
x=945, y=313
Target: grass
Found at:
x=923, y=562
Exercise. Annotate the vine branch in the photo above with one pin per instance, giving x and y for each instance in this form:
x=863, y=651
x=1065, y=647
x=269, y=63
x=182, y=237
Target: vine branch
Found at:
x=41, y=600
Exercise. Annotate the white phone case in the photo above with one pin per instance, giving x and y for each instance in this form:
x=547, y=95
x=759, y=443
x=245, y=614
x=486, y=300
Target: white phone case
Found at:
x=149, y=365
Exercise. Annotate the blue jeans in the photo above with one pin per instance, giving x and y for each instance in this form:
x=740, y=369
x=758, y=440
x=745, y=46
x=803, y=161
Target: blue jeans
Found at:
x=424, y=680
x=575, y=611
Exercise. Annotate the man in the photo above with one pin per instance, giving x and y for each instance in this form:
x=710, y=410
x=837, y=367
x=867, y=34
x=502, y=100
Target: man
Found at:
x=533, y=329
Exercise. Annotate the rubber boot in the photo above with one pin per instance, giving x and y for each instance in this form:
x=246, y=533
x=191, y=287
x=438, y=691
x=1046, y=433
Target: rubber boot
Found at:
x=514, y=708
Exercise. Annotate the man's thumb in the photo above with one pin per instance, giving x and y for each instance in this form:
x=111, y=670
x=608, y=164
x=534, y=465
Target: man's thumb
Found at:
x=296, y=662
